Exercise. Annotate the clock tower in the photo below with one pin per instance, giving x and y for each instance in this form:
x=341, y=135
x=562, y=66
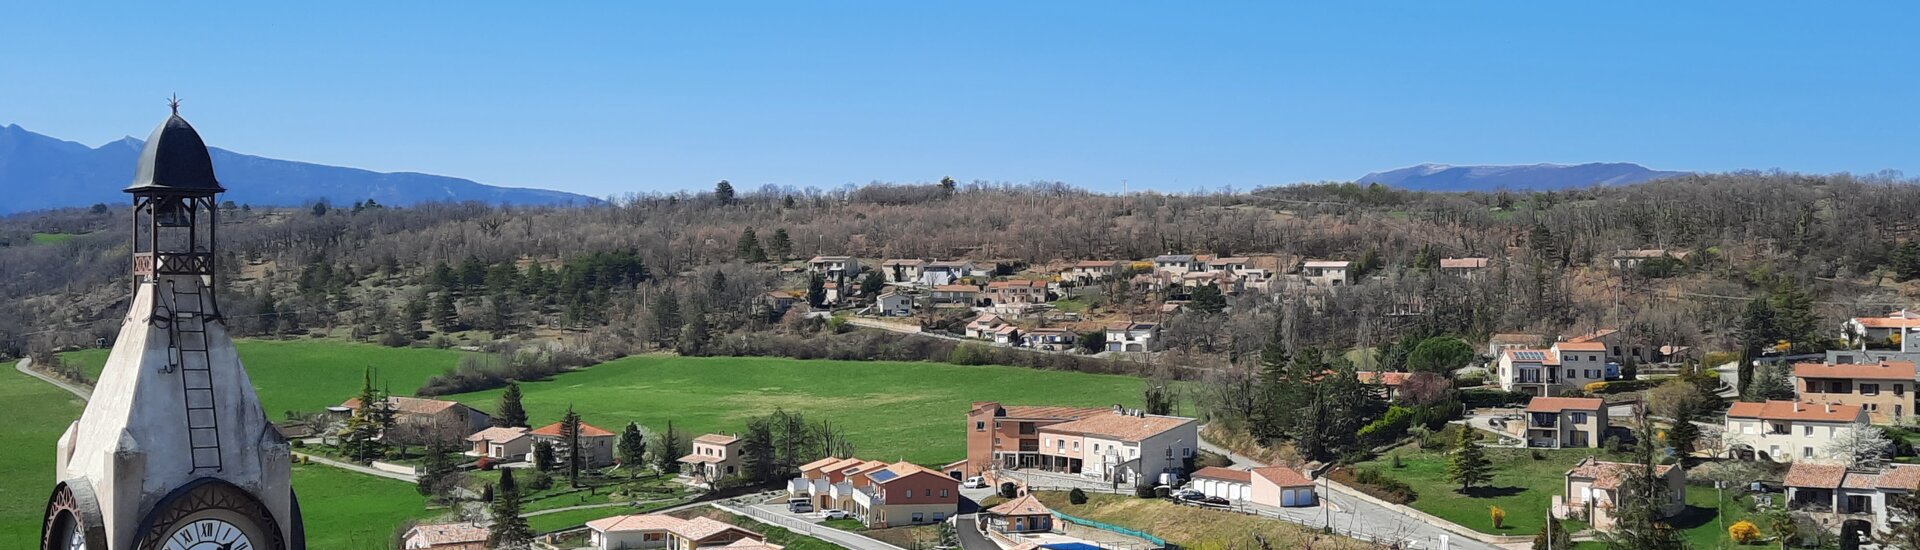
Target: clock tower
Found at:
x=174, y=451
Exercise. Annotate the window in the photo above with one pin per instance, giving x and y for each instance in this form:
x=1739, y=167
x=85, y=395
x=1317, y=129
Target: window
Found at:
x=909, y=494
x=980, y=426
x=943, y=494
x=1899, y=389
x=928, y=493
x=919, y=517
x=1186, y=452
x=1869, y=389
x=1076, y=445
x=1872, y=407
x=1579, y=418
x=1806, y=430
x=1806, y=452
x=1169, y=451
x=1026, y=428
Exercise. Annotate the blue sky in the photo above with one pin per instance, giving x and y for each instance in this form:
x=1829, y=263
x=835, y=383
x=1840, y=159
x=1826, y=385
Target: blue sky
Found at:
x=610, y=98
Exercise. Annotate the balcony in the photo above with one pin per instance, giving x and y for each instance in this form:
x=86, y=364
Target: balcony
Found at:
x=1546, y=421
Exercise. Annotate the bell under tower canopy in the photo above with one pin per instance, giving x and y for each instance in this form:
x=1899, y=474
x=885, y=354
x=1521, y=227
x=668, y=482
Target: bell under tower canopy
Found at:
x=175, y=161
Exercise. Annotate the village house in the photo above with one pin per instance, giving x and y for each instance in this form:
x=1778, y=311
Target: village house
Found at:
x=985, y=326
x=1008, y=437
x=1389, y=382
x=501, y=444
x=1563, y=422
x=779, y=301
x=1464, y=267
x=1017, y=292
x=715, y=457
x=954, y=295
x=1633, y=259
x=643, y=531
x=1622, y=350
x=893, y=304
x=1089, y=271
x=945, y=272
x=905, y=271
x=1836, y=494
x=595, y=444
x=1019, y=516
x=831, y=293
x=1501, y=342
x=1175, y=265
x=817, y=479
x=1050, y=339
x=445, y=536
x=1279, y=486
x=430, y=420
x=1784, y=431
x=1119, y=446
x=1883, y=389
x=1567, y=367
x=901, y=494
x=1327, y=272
x=834, y=267
x=1593, y=491
x=1132, y=337
x=1883, y=333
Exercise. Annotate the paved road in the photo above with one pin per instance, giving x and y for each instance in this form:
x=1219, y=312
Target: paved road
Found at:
x=25, y=366
x=1240, y=462
x=361, y=469
x=965, y=529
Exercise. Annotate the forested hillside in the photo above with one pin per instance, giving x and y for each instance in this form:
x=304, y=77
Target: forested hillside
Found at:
x=600, y=278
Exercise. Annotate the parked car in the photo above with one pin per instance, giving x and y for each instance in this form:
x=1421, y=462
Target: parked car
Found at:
x=833, y=513
x=975, y=482
x=1217, y=501
x=799, y=506
x=1189, y=494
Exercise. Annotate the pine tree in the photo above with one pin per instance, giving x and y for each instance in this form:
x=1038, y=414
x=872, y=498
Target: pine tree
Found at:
x=1470, y=465
x=780, y=246
x=509, y=529
x=1684, y=434
x=871, y=283
x=747, y=249
x=446, y=316
x=512, y=413
x=1553, y=536
x=572, y=455
x=361, y=438
x=436, y=470
x=543, y=456
x=666, y=319
x=723, y=192
x=1643, y=493
x=816, y=290
x=668, y=457
x=633, y=449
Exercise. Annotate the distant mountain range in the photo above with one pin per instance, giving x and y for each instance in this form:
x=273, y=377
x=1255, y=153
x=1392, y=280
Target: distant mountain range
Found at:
x=40, y=172
x=1535, y=177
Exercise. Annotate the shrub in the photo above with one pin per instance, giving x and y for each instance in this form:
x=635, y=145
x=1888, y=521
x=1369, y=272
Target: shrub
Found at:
x=299, y=443
x=539, y=480
x=1476, y=398
x=1597, y=387
x=1539, y=454
x=1498, y=516
x=1371, y=481
x=1744, y=532
x=1394, y=460
x=1143, y=491
x=1162, y=492
x=1077, y=496
x=1009, y=490
x=1388, y=427
x=484, y=464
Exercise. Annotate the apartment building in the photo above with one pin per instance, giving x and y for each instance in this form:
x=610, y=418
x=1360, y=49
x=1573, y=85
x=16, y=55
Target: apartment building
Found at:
x=1786, y=431
x=1566, y=367
x=1008, y=437
x=879, y=494
x=1563, y=422
x=1120, y=446
x=1884, y=389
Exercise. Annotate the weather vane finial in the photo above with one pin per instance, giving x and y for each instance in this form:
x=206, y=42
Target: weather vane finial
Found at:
x=174, y=102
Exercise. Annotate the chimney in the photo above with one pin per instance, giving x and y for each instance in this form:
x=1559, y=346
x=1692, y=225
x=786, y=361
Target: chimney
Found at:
x=1829, y=407
x=1796, y=406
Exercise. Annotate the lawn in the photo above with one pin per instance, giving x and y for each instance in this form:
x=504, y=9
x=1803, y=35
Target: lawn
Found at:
x=309, y=375
x=349, y=510
x=891, y=410
x=38, y=413
x=569, y=519
x=1193, y=527
x=776, y=535
x=342, y=509
x=1703, y=528
x=53, y=238
x=1522, y=486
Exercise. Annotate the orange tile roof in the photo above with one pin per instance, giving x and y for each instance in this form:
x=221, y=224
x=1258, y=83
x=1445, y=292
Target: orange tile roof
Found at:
x=1887, y=322
x=1606, y=475
x=1888, y=370
x=703, y=527
x=750, y=544
x=435, y=534
x=1901, y=476
x=636, y=522
x=1022, y=283
x=1463, y=263
x=1283, y=476
x=1043, y=412
x=1026, y=505
x=1581, y=346
x=1794, y=410
x=1819, y=476
x=818, y=464
x=956, y=288
x=410, y=405
x=1547, y=356
x=1383, y=378
x=498, y=434
x=1557, y=404
x=1097, y=263
x=586, y=430
x=1119, y=426
x=1224, y=474
x=716, y=439
x=700, y=458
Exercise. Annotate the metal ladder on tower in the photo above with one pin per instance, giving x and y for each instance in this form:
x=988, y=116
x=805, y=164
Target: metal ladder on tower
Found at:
x=189, y=331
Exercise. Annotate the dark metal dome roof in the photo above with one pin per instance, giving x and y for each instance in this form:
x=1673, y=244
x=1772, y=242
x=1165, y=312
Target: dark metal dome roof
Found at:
x=175, y=161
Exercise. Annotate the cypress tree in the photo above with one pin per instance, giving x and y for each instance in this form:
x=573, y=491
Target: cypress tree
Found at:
x=633, y=449
x=1470, y=465
x=512, y=414
x=509, y=529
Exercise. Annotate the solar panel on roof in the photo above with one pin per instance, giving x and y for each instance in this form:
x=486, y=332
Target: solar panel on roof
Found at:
x=883, y=475
x=1530, y=355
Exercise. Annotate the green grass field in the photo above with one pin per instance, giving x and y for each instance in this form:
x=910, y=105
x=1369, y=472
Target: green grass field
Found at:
x=891, y=410
x=38, y=414
x=350, y=510
x=1522, y=486
x=309, y=375
x=53, y=238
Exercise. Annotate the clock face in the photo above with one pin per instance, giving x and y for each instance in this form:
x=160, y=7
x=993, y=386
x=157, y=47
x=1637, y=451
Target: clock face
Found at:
x=208, y=534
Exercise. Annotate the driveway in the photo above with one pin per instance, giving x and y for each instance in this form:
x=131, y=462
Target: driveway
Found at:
x=25, y=366
x=807, y=524
x=965, y=529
